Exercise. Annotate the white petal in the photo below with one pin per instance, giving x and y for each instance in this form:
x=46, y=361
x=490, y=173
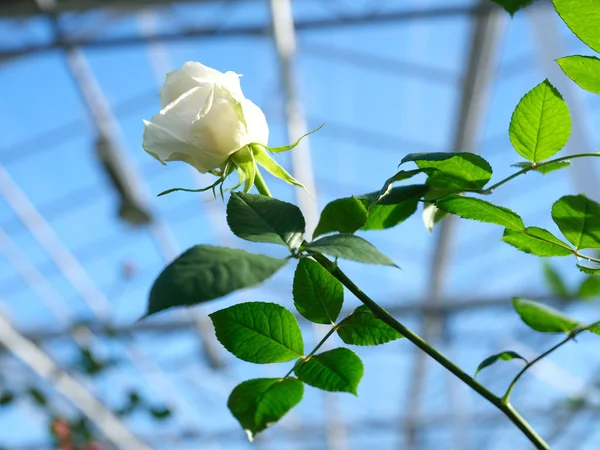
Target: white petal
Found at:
x=231, y=81
x=164, y=146
x=220, y=131
x=178, y=82
x=258, y=129
x=194, y=74
x=178, y=116
x=196, y=70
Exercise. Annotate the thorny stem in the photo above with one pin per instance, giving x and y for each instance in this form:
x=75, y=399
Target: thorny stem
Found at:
x=506, y=408
x=570, y=336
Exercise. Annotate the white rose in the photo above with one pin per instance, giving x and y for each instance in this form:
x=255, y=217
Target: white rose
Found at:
x=205, y=118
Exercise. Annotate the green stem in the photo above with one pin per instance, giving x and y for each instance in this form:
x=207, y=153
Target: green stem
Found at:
x=321, y=342
x=260, y=184
x=588, y=258
x=535, y=166
x=570, y=336
x=318, y=346
x=432, y=352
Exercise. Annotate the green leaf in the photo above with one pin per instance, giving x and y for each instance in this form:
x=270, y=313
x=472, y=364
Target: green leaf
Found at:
x=544, y=168
x=348, y=246
x=382, y=217
x=37, y=396
x=581, y=16
x=397, y=195
x=259, y=332
x=504, y=356
x=244, y=162
x=393, y=208
x=399, y=176
x=260, y=218
x=134, y=403
x=536, y=241
x=259, y=403
x=589, y=288
x=285, y=148
x=89, y=363
x=555, y=282
x=432, y=215
x=318, y=295
x=583, y=70
x=476, y=209
x=6, y=398
x=454, y=171
x=160, y=413
x=543, y=318
x=344, y=215
x=522, y=165
x=363, y=328
x=589, y=270
x=205, y=272
x=547, y=168
x=512, y=6
x=337, y=370
x=265, y=160
x=579, y=220
x=541, y=124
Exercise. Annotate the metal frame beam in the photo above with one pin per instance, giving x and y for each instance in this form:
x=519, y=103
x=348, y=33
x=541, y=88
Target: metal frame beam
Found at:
x=259, y=30
x=284, y=40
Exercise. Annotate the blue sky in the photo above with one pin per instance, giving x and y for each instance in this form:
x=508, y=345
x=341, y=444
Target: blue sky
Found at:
x=373, y=116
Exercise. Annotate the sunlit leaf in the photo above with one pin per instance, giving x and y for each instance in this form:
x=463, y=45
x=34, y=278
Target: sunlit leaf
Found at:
x=541, y=124
x=581, y=16
x=477, y=209
x=536, y=241
x=578, y=218
x=544, y=318
x=583, y=70
x=552, y=167
x=454, y=171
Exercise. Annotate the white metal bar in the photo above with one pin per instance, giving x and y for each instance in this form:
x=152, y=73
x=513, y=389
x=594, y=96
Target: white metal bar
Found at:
x=109, y=128
x=284, y=37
